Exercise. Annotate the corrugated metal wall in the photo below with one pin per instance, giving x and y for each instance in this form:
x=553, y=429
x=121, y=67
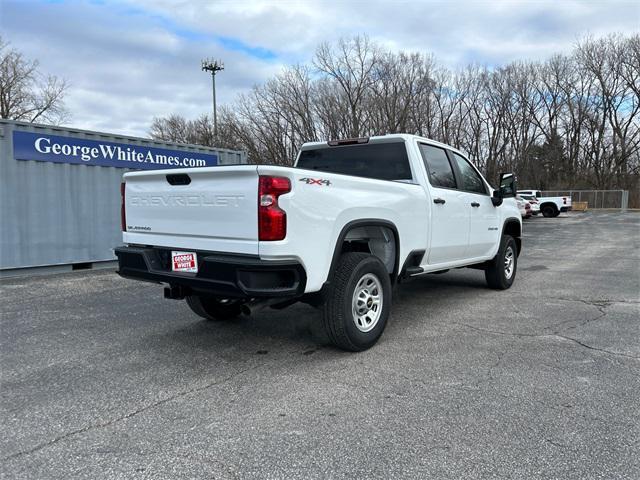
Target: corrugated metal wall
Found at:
x=58, y=213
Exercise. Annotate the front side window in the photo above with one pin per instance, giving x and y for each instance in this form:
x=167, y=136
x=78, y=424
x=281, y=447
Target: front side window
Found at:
x=438, y=166
x=471, y=180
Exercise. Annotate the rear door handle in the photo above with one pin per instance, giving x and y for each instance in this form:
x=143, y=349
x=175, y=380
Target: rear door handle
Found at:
x=475, y=204
x=439, y=200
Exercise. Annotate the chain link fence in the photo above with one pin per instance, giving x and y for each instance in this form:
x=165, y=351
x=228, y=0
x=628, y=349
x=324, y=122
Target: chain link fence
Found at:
x=595, y=199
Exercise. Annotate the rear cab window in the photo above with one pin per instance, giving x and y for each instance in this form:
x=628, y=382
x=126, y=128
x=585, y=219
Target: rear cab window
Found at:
x=379, y=160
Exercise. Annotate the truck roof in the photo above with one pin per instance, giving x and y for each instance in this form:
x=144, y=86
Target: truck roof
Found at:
x=388, y=138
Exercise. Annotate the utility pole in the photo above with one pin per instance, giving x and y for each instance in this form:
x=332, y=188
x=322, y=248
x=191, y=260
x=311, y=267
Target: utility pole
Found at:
x=213, y=66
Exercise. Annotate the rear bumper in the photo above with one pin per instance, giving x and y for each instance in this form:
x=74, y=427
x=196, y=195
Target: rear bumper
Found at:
x=238, y=276
x=565, y=209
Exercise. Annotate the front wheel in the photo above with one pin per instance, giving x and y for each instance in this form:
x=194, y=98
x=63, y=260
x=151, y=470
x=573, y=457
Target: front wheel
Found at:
x=216, y=309
x=358, y=302
x=501, y=271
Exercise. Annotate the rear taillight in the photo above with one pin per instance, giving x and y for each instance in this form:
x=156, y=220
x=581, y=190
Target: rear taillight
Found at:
x=272, y=220
x=123, y=215
x=564, y=200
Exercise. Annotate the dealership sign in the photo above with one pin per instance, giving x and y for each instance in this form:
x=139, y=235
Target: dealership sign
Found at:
x=55, y=148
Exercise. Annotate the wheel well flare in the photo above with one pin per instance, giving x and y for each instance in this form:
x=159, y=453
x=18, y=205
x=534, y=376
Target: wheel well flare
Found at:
x=514, y=229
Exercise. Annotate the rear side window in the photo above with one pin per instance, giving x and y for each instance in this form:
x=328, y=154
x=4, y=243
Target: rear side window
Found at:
x=382, y=161
x=438, y=166
x=471, y=180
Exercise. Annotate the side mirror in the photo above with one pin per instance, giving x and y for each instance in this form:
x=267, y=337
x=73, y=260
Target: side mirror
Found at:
x=496, y=198
x=507, y=189
x=508, y=185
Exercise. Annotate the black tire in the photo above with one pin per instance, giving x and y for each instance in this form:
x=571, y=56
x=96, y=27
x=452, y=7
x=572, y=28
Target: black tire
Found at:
x=341, y=324
x=211, y=308
x=549, y=211
x=497, y=274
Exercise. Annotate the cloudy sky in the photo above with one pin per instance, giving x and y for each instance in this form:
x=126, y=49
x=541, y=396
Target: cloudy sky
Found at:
x=128, y=61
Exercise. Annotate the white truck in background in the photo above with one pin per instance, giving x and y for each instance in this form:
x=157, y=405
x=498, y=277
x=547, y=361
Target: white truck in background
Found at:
x=338, y=230
x=549, y=206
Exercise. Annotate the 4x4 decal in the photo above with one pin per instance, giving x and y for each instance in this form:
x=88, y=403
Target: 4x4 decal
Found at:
x=316, y=181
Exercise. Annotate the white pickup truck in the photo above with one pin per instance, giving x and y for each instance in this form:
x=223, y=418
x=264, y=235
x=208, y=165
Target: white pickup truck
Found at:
x=549, y=206
x=338, y=230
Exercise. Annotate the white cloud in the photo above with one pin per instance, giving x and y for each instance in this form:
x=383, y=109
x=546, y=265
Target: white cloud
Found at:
x=129, y=61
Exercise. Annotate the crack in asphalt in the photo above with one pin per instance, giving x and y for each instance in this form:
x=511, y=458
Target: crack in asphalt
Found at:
x=601, y=308
x=129, y=415
x=600, y=304
x=547, y=335
x=603, y=350
x=488, y=376
x=555, y=444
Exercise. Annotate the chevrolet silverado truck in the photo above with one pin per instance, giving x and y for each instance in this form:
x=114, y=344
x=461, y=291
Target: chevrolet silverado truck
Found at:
x=549, y=206
x=338, y=230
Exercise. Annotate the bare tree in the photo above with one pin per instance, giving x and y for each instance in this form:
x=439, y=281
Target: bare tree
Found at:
x=170, y=129
x=25, y=93
x=176, y=128
x=400, y=79
x=571, y=121
x=351, y=64
x=612, y=63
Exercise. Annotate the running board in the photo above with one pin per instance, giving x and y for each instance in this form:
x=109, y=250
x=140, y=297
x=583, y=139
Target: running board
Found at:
x=413, y=271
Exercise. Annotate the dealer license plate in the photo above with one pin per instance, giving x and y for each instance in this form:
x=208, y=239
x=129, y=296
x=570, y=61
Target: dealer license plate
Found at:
x=184, y=261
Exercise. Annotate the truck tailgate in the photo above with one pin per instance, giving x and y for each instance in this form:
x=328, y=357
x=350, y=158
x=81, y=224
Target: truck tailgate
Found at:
x=211, y=209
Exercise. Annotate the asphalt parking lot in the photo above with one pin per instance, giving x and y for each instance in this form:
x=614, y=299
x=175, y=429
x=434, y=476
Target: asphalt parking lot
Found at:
x=102, y=378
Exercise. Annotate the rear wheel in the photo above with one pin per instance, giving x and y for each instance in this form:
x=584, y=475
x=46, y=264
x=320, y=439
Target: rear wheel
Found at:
x=216, y=309
x=549, y=211
x=501, y=271
x=358, y=302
